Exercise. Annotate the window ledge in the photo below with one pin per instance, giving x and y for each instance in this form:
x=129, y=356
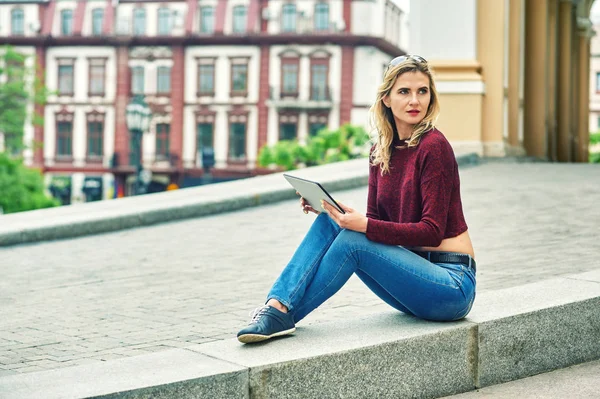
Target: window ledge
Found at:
x=238, y=94
x=63, y=159
x=95, y=159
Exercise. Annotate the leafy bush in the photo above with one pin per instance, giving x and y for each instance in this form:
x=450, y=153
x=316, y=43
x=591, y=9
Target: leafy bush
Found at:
x=21, y=189
x=347, y=142
x=594, y=140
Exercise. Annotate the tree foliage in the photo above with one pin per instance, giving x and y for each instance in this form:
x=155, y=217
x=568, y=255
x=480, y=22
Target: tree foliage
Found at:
x=595, y=142
x=347, y=142
x=21, y=188
x=18, y=88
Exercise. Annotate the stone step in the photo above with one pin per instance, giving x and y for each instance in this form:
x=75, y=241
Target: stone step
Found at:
x=510, y=334
x=124, y=213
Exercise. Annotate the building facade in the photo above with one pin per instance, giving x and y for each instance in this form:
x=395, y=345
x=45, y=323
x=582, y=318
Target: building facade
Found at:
x=231, y=75
x=513, y=75
x=595, y=79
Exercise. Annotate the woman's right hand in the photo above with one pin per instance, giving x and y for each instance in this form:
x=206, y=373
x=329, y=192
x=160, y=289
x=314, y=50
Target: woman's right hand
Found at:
x=306, y=206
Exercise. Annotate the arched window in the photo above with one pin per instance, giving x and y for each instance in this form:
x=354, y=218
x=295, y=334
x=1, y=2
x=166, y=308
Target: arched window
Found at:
x=137, y=80
x=163, y=84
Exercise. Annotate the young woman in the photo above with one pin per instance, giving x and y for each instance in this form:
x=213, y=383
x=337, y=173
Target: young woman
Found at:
x=412, y=248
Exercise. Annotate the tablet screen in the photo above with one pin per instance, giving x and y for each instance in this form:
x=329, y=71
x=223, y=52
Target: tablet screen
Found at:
x=312, y=192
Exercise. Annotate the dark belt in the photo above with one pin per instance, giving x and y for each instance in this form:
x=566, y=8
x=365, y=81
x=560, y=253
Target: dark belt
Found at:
x=448, y=257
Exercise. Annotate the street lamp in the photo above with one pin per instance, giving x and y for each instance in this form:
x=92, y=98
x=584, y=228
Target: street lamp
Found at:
x=138, y=120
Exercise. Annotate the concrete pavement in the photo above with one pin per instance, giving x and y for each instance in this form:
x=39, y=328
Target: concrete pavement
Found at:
x=581, y=381
x=97, y=298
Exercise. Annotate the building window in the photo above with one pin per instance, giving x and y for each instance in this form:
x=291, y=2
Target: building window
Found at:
x=316, y=122
x=288, y=18
x=239, y=79
x=288, y=127
x=287, y=131
x=163, y=84
x=95, y=139
x=137, y=80
x=97, y=21
x=239, y=19
x=139, y=22
x=206, y=79
x=205, y=136
x=97, y=77
x=64, y=139
x=164, y=21
x=207, y=20
x=321, y=16
x=314, y=128
x=318, y=82
x=237, y=141
x=289, y=76
x=65, y=79
x=17, y=22
x=598, y=82
x=66, y=22
x=599, y=122
x=162, y=140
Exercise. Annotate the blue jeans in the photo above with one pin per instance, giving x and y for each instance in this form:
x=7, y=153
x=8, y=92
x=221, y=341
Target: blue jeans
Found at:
x=329, y=255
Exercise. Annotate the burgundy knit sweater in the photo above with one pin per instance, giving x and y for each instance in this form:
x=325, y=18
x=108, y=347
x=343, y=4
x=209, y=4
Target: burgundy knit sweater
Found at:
x=418, y=202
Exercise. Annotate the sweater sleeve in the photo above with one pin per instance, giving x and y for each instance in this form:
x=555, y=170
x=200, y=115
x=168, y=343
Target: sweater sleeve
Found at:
x=436, y=188
x=372, y=212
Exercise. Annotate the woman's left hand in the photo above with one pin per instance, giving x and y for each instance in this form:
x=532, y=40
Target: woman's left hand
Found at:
x=351, y=220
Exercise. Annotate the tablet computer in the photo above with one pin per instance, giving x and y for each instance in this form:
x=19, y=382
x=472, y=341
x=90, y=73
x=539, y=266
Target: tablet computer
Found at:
x=312, y=192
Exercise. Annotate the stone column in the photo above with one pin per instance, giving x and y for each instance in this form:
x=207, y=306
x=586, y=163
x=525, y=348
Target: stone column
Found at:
x=565, y=98
x=516, y=63
x=585, y=33
x=552, y=82
x=536, y=75
x=447, y=38
x=492, y=39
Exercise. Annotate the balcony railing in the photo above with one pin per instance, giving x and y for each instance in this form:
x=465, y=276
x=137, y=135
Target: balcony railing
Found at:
x=307, y=97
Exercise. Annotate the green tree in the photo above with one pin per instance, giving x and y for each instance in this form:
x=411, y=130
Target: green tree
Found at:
x=21, y=188
x=594, y=142
x=347, y=142
x=19, y=88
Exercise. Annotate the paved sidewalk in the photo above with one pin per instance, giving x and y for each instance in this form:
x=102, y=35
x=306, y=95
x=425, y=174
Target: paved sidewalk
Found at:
x=121, y=294
x=580, y=381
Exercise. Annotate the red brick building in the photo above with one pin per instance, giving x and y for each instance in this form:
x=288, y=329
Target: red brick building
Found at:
x=233, y=75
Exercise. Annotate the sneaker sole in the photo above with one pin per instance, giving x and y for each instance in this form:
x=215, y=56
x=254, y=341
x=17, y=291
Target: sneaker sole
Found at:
x=251, y=338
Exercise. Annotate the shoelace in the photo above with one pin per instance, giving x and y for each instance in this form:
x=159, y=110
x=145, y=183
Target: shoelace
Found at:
x=257, y=313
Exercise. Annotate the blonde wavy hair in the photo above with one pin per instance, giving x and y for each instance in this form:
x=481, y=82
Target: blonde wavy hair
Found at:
x=382, y=118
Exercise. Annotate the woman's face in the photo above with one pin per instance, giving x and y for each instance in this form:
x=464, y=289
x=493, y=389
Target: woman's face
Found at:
x=409, y=98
